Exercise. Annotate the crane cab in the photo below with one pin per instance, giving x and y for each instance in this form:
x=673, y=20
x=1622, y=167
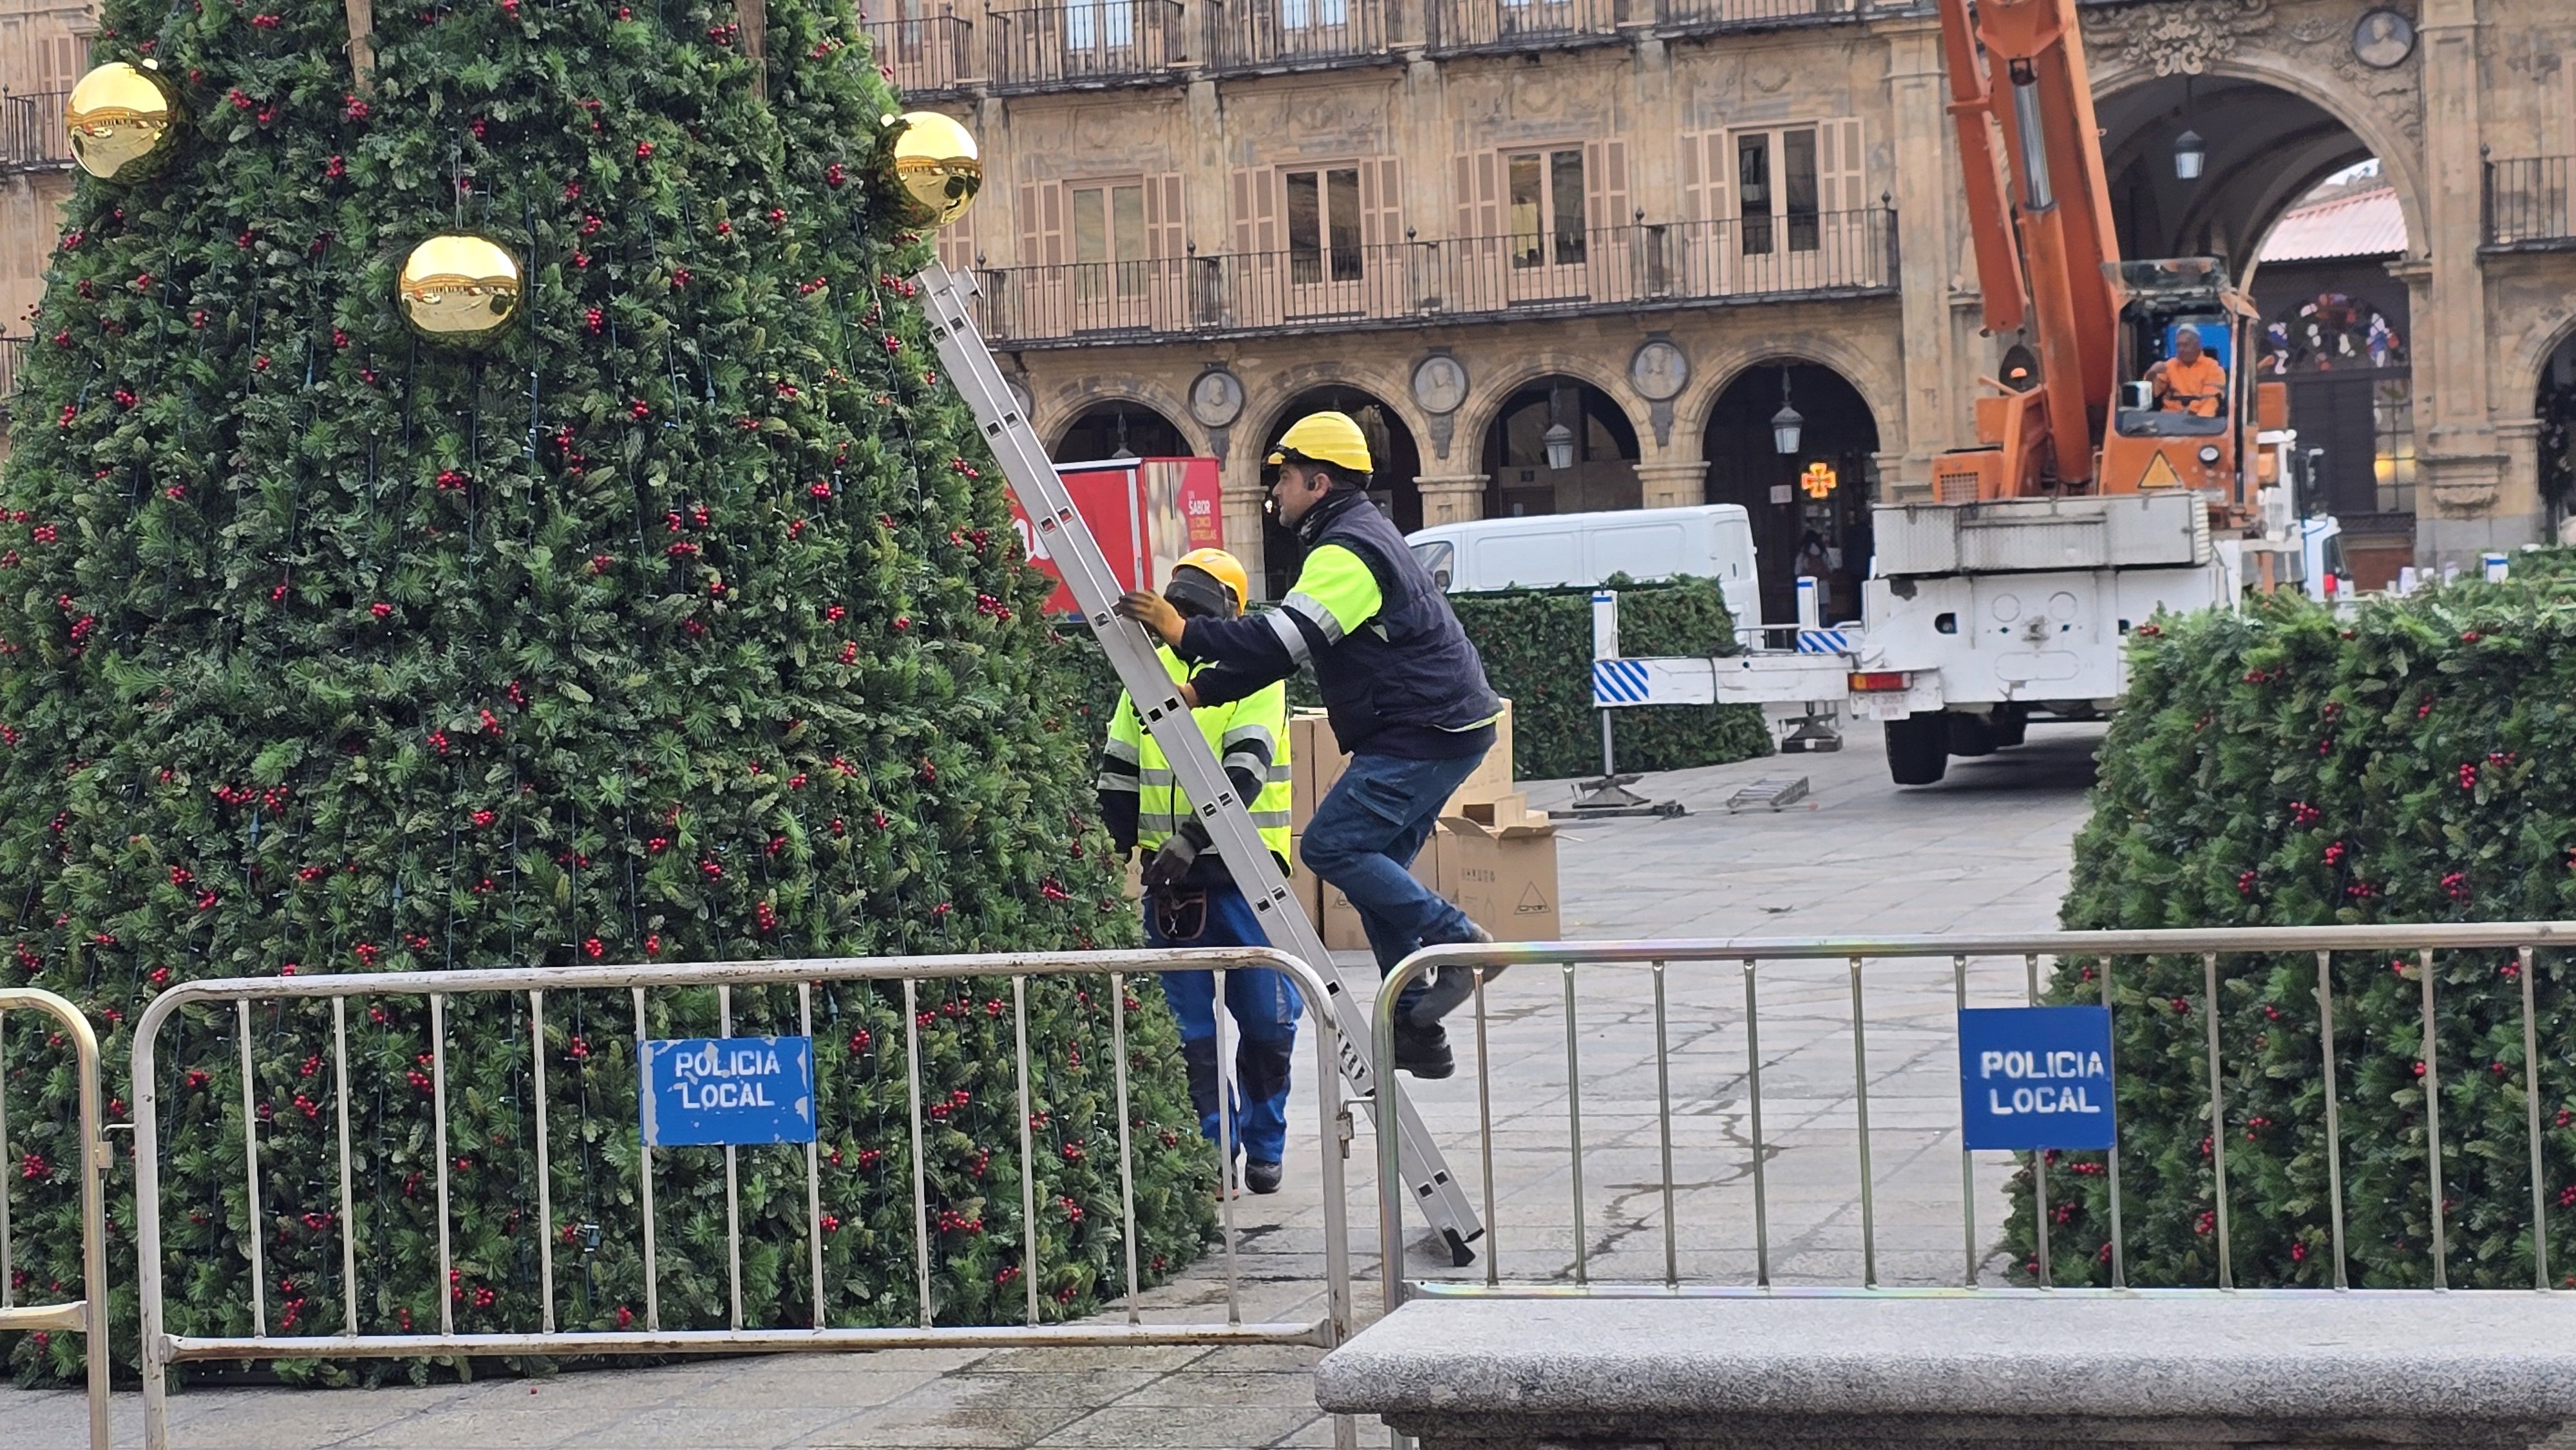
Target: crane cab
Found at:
x=2187, y=407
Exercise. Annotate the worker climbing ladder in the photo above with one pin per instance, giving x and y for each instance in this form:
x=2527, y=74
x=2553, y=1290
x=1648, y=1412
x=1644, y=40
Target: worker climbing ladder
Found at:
x=1061, y=533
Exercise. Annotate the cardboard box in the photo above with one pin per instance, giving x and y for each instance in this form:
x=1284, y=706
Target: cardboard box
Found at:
x=1504, y=878
x=1493, y=777
x=1505, y=810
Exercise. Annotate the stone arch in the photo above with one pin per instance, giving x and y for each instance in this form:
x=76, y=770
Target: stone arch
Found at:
x=1488, y=394
x=1280, y=391
x=2400, y=157
x=1069, y=400
x=1866, y=374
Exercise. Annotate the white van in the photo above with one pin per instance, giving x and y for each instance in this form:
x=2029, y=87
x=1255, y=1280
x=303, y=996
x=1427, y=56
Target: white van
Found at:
x=1706, y=541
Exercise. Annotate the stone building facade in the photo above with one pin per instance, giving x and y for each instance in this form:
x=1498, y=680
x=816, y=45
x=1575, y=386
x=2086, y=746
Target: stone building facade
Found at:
x=1571, y=254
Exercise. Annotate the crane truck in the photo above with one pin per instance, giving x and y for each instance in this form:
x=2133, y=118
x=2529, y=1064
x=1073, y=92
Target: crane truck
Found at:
x=2093, y=497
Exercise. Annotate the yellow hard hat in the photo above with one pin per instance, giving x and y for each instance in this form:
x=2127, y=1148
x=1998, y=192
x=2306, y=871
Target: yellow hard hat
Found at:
x=1325, y=438
x=1224, y=568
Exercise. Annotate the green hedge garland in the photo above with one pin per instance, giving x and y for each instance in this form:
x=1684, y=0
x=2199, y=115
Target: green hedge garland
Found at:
x=686, y=625
x=2414, y=761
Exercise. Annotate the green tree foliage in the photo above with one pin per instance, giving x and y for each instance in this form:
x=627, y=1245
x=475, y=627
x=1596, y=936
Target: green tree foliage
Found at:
x=1537, y=645
x=2286, y=766
x=686, y=625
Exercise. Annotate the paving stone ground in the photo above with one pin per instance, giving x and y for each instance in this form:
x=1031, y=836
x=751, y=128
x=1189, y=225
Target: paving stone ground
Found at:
x=1986, y=850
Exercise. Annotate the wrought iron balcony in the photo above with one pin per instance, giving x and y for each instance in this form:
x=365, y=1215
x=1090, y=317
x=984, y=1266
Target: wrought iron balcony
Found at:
x=31, y=131
x=930, y=55
x=1472, y=25
x=2527, y=204
x=1266, y=35
x=1083, y=43
x=1643, y=266
x=1691, y=17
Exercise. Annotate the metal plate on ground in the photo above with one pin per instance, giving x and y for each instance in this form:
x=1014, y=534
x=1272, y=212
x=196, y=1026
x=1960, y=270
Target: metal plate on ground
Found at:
x=1777, y=794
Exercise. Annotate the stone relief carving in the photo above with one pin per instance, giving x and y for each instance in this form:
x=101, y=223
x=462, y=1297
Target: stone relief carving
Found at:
x=2185, y=39
x=2395, y=92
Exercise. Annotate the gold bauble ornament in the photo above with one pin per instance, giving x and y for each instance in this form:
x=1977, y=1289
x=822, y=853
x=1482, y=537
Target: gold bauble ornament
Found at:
x=122, y=120
x=460, y=289
x=936, y=168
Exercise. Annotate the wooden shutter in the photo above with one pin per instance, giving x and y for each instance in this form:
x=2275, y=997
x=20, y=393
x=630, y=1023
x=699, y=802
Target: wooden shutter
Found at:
x=1839, y=169
x=957, y=243
x=1042, y=225
x=1705, y=159
x=1256, y=209
x=1479, y=195
x=1166, y=226
x=1605, y=183
x=1381, y=203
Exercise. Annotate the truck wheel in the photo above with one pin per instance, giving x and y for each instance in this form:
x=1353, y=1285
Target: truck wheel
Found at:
x=1973, y=735
x=1918, y=749
x=2012, y=725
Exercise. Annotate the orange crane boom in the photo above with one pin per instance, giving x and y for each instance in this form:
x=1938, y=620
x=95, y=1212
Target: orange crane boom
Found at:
x=2042, y=250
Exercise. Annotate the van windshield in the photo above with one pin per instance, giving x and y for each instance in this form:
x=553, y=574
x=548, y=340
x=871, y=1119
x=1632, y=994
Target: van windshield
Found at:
x=1437, y=558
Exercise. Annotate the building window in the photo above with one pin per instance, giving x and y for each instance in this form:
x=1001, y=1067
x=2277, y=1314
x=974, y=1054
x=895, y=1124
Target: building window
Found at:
x=1776, y=189
x=2392, y=426
x=1546, y=189
x=1109, y=244
x=1324, y=225
x=1099, y=25
x=1313, y=14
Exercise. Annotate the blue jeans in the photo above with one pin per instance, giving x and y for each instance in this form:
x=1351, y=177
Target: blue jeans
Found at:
x=1364, y=836
x=1265, y=1006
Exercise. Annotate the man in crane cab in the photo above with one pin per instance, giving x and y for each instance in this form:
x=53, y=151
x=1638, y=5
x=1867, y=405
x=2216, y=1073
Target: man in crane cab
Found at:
x=1191, y=899
x=2191, y=381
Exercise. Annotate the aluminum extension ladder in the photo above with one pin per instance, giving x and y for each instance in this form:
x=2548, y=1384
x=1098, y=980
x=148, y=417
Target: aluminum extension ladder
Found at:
x=1049, y=505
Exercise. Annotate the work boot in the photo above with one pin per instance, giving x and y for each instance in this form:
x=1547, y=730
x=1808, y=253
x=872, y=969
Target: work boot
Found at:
x=1423, y=1051
x=1451, y=986
x=1260, y=1177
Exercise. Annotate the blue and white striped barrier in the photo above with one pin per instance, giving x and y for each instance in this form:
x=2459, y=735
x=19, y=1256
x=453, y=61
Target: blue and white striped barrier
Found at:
x=1823, y=642
x=1619, y=682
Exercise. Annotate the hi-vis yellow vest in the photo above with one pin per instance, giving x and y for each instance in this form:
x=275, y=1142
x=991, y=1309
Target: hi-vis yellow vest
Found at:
x=1250, y=734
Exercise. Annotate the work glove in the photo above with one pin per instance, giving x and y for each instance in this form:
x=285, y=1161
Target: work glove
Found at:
x=1176, y=856
x=1152, y=611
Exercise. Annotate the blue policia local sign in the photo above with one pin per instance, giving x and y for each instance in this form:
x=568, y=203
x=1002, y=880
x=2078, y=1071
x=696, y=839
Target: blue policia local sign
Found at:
x=700, y=1091
x=2036, y=1077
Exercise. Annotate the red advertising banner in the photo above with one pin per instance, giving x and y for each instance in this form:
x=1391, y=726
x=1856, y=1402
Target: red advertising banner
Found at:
x=1144, y=512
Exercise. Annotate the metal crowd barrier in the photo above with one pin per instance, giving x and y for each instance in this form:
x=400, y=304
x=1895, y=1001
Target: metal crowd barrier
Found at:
x=162, y=1350
x=87, y=1315
x=1761, y=960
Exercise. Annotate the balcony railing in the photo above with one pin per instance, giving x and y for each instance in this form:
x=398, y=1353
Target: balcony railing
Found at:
x=1607, y=269
x=1711, y=15
x=1457, y=25
x=31, y=131
x=929, y=55
x=1083, y=43
x=1252, y=35
x=13, y=360
x=2527, y=203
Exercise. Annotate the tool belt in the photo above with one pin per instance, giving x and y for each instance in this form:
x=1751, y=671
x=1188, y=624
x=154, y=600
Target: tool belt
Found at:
x=1180, y=913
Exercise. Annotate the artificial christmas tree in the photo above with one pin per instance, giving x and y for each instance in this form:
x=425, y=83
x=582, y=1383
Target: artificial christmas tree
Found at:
x=667, y=612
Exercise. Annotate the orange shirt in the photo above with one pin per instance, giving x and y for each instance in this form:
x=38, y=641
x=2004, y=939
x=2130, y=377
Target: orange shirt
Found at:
x=2194, y=387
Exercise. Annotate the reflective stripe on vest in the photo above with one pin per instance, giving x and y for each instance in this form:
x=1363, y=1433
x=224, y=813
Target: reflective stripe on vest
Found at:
x=1261, y=717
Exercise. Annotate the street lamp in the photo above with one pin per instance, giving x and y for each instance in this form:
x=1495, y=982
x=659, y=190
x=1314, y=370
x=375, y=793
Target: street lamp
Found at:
x=2189, y=154
x=1785, y=423
x=1560, y=446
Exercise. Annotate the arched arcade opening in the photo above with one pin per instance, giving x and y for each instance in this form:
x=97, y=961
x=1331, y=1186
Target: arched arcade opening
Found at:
x=1560, y=446
x=1119, y=429
x=1809, y=502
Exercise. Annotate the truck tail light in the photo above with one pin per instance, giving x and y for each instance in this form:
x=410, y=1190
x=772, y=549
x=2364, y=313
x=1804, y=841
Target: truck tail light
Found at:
x=1865, y=682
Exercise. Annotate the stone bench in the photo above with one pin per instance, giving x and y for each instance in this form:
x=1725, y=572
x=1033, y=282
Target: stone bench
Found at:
x=2021, y=1370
